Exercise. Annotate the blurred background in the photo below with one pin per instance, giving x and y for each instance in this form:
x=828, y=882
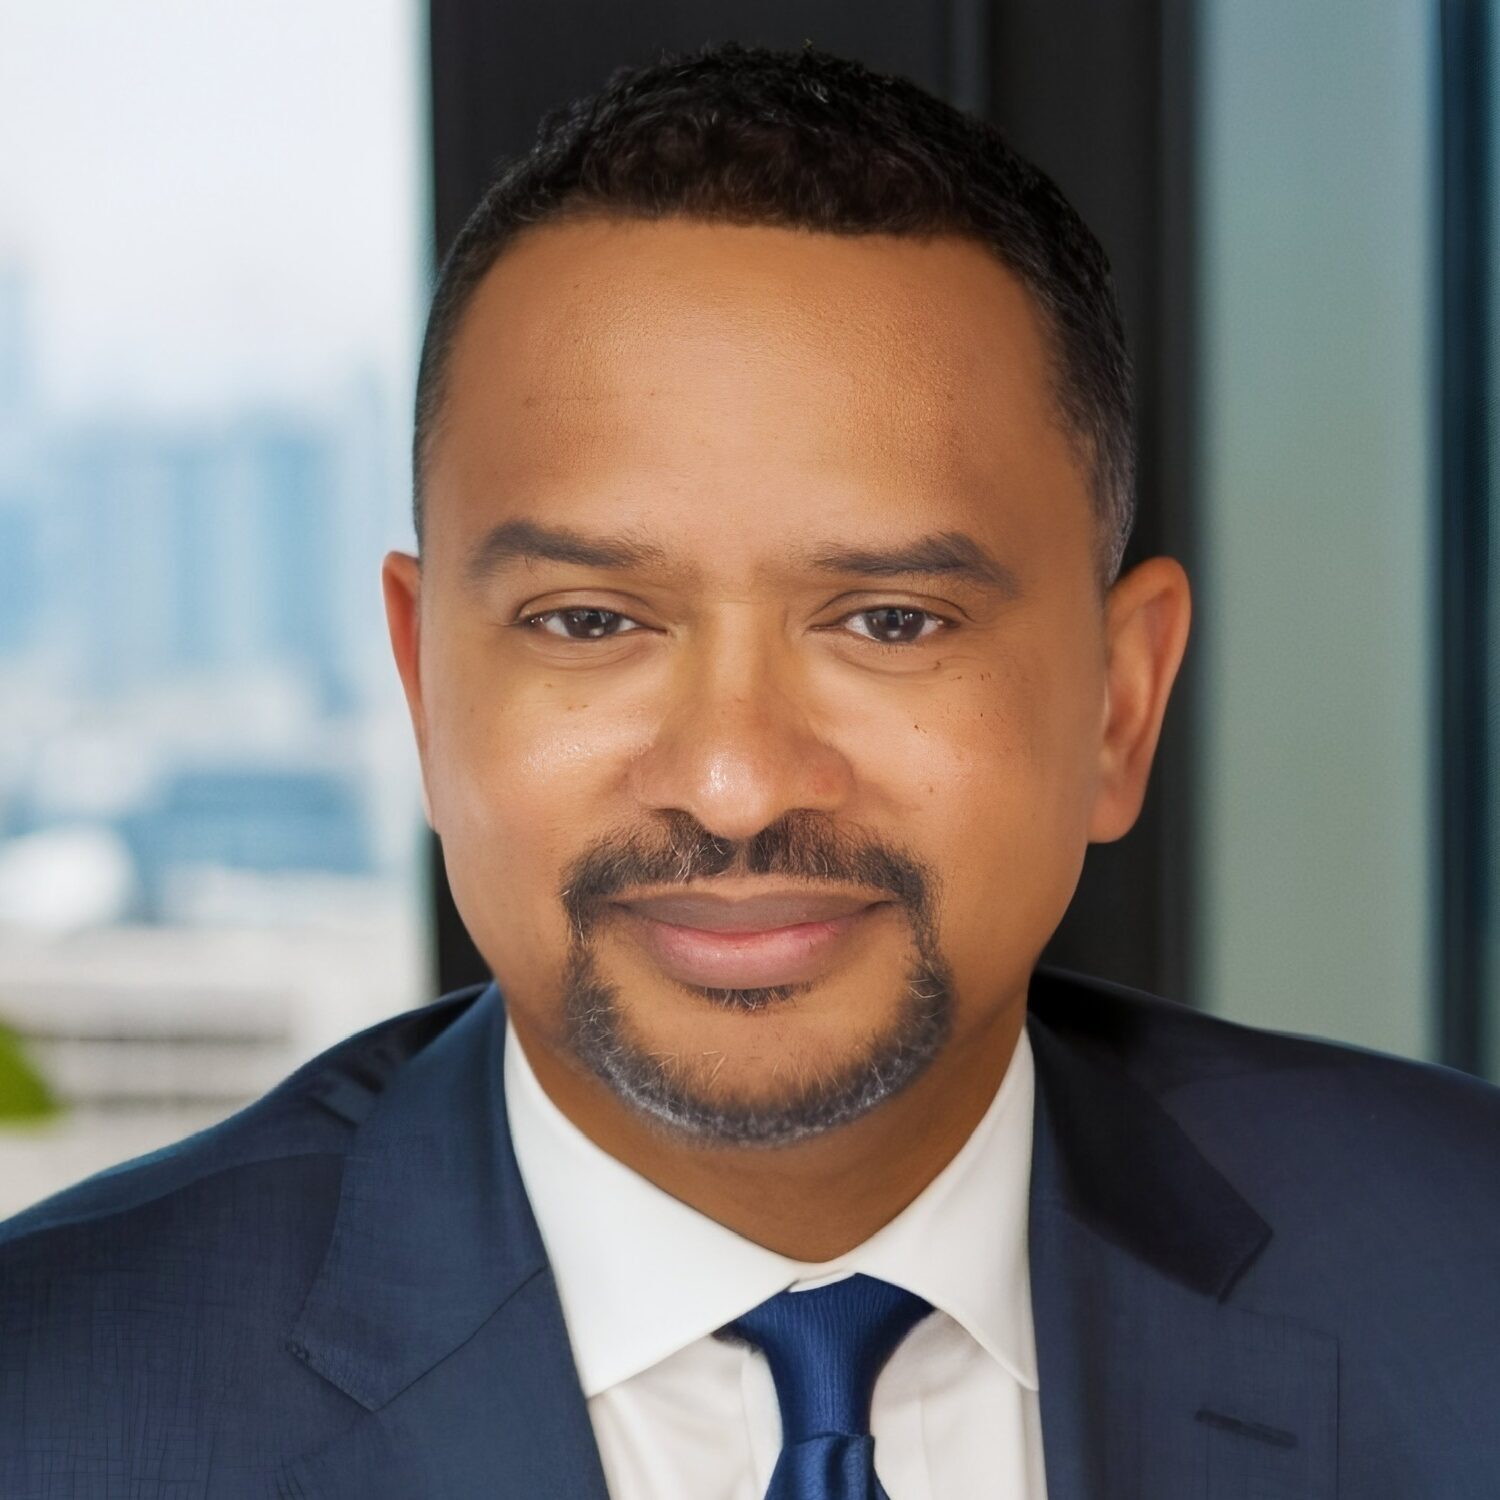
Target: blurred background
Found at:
x=218, y=232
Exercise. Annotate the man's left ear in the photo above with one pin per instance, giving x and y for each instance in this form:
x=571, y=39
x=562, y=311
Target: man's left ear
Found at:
x=1146, y=619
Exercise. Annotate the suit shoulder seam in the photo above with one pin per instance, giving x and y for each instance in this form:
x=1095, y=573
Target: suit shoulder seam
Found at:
x=107, y=1212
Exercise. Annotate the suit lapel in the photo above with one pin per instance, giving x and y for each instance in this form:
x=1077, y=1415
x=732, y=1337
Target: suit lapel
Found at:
x=435, y=1308
x=500, y=1418
x=1152, y=1381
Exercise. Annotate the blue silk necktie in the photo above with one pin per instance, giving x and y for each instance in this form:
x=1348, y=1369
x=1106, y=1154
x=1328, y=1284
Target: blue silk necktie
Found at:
x=825, y=1347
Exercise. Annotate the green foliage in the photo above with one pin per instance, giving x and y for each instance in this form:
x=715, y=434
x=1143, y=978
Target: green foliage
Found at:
x=23, y=1094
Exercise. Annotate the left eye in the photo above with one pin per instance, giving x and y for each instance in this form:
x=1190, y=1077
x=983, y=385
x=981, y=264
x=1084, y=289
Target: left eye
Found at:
x=899, y=618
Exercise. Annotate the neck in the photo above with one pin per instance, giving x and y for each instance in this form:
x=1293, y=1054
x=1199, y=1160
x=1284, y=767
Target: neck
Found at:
x=816, y=1199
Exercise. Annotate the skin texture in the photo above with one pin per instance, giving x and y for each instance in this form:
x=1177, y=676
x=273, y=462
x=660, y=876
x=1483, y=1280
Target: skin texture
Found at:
x=735, y=395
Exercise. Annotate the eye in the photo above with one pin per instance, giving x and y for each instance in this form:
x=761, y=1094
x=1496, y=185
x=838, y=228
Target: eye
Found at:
x=898, y=618
x=595, y=624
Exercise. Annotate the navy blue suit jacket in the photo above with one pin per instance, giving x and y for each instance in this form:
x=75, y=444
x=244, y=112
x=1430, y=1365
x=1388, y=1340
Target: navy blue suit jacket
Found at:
x=1263, y=1267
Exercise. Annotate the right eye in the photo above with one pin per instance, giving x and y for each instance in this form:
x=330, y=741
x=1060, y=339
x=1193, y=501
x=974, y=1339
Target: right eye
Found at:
x=593, y=624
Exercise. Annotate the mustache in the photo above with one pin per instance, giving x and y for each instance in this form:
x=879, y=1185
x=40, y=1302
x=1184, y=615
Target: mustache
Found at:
x=802, y=844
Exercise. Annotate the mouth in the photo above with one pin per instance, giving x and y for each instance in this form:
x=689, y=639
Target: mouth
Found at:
x=740, y=957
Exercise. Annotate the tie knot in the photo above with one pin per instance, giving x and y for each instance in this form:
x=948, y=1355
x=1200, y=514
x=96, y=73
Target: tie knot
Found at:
x=825, y=1347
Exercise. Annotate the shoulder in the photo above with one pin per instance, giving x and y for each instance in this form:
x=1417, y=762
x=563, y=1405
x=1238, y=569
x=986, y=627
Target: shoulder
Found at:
x=1376, y=1179
x=1172, y=1049
x=1300, y=1122
x=169, y=1282
x=247, y=1203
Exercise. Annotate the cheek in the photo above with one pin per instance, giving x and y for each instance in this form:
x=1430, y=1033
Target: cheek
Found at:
x=1007, y=810
x=526, y=775
x=516, y=780
x=1015, y=750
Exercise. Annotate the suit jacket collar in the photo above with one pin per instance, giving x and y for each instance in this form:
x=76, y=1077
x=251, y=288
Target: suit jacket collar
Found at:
x=1153, y=1381
x=1117, y=1161
x=435, y=1309
x=434, y=1306
x=433, y=1231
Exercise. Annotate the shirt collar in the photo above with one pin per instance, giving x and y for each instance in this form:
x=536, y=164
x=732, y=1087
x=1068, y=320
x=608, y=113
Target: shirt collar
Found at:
x=640, y=1274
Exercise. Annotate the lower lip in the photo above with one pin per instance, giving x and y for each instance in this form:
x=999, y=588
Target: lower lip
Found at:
x=745, y=960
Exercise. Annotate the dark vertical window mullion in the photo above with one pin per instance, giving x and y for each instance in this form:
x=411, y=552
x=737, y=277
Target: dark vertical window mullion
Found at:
x=1178, y=481
x=1463, y=531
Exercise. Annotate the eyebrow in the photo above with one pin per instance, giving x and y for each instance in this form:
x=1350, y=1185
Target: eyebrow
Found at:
x=941, y=554
x=944, y=554
x=530, y=541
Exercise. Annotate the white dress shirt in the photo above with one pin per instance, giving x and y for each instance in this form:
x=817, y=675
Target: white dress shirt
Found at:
x=644, y=1280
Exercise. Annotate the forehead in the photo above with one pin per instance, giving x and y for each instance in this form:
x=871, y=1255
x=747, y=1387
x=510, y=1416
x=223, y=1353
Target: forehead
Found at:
x=692, y=375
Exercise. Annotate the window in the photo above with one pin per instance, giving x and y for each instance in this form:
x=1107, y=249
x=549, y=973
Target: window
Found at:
x=1318, y=281
x=212, y=275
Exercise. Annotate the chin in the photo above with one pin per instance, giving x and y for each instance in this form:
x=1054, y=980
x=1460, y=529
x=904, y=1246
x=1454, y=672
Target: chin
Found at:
x=818, y=1063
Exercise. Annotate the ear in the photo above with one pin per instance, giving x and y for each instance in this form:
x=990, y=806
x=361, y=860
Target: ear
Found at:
x=401, y=580
x=1146, y=621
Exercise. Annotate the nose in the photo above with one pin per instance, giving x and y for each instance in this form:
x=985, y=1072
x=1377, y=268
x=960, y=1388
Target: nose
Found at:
x=742, y=740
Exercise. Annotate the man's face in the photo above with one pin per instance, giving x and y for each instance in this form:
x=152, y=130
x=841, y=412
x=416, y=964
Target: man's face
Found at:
x=839, y=636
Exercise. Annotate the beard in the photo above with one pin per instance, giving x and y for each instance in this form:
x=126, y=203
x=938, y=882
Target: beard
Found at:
x=599, y=1036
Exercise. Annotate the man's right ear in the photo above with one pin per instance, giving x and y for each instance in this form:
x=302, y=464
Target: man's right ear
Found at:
x=401, y=581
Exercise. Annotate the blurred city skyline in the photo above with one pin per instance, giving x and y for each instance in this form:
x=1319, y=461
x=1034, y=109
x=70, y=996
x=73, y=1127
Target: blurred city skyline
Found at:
x=190, y=636
x=213, y=267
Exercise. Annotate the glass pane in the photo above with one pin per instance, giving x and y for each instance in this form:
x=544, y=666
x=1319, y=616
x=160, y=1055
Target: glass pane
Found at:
x=1318, y=304
x=211, y=280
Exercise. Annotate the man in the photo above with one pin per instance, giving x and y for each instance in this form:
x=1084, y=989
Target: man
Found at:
x=772, y=669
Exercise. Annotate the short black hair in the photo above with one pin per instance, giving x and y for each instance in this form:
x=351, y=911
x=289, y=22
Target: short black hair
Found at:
x=746, y=135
